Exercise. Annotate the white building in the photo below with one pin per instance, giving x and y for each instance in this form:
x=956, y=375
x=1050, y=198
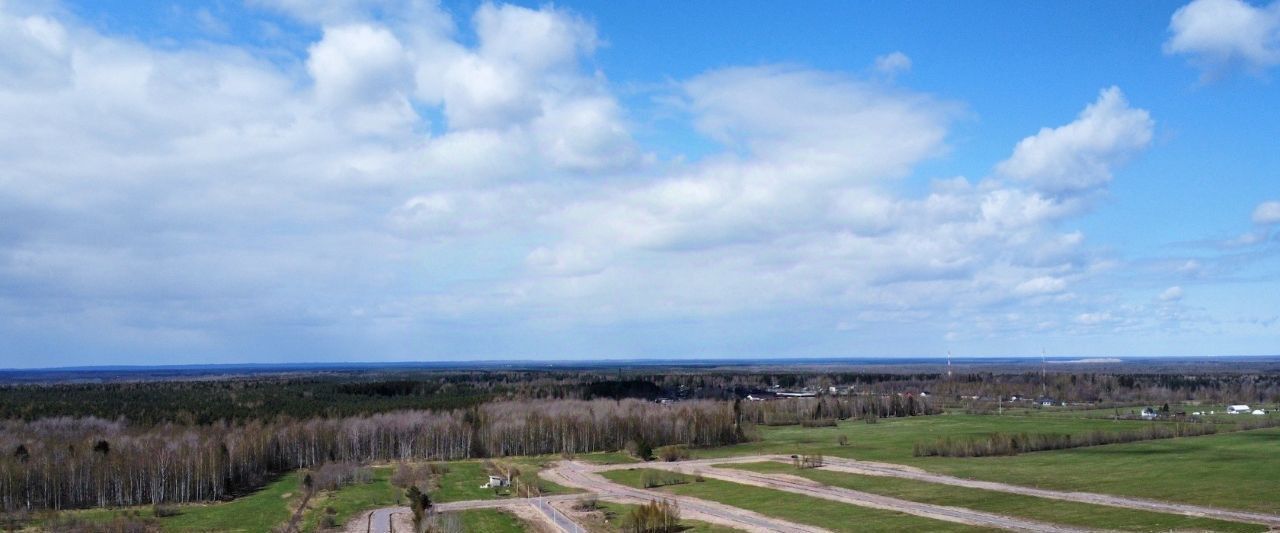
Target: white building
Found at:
x=496, y=481
x=1259, y=412
x=1236, y=409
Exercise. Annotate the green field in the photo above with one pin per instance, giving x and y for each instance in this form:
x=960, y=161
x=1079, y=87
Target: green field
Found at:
x=259, y=511
x=351, y=500
x=797, y=508
x=491, y=521
x=1230, y=470
x=465, y=478
x=1055, y=511
x=611, y=515
x=892, y=439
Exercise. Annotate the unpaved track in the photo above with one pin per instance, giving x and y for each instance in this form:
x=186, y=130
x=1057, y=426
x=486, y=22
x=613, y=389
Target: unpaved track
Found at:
x=856, y=467
x=882, y=469
x=388, y=519
x=799, y=485
x=580, y=475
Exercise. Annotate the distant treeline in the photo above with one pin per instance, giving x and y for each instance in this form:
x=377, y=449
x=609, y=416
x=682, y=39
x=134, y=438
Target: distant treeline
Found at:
x=830, y=408
x=341, y=395
x=82, y=462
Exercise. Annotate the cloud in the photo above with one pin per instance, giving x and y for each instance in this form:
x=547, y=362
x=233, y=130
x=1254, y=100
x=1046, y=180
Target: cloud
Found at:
x=36, y=53
x=1041, y=285
x=416, y=185
x=1095, y=319
x=1171, y=294
x=1083, y=154
x=893, y=64
x=1267, y=213
x=1218, y=35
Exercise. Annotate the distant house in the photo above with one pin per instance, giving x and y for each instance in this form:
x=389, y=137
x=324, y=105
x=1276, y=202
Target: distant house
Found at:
x=1237, y=409
x=1150, y=413
x=1259, y=412
x=497, y=481
x=1045, y=401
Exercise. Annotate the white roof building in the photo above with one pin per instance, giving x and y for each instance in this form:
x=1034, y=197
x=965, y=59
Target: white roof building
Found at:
x=1238, y=408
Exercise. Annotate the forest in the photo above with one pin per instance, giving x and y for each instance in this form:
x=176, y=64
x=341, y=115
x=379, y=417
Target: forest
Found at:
x=120, y=443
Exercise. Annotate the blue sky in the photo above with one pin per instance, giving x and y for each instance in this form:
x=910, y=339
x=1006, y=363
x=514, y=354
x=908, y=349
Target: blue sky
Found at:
x=289, y=180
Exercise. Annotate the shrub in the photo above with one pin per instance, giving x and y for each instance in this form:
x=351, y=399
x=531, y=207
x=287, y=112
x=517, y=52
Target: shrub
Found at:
x=164, y=511
x=587, y=503
x=819, y=423
x=674, y=452
x=653, y=517
x=660, y=478
x=639, y=450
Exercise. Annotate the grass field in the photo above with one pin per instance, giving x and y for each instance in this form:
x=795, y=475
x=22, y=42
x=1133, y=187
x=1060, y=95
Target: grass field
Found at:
x=797, y=508
x=351, y=500
x=491, y=521
x=1230, y=470
x=1234, y=470
x=256, y=512
x=465, y=478
x=609, y=519
x=1055, y=511
x=892, y=439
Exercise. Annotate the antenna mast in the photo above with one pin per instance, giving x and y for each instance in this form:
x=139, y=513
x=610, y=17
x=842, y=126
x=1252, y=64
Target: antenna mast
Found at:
x=948, y=364
x=1044, y=388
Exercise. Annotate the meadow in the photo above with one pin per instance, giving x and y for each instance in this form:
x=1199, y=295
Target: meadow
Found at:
x=1054, y=511
x=797, y=508
x=1230, y=470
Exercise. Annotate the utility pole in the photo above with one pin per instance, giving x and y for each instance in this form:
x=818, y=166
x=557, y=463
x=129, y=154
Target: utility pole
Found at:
x=948, y=364
x=1044, y=387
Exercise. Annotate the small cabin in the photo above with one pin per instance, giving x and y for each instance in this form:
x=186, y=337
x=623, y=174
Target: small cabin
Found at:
x=496, y=482
x=1045, y=401
x=1237, y=409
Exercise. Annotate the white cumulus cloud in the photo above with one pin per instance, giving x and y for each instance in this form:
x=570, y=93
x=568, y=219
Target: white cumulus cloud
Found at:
x=1221, y=34
x=1083, y=154
x=1171, y=294
x=1267, y=213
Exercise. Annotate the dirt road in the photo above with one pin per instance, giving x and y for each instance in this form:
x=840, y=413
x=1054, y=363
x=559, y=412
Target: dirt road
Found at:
x=580, y=475
x=395, y=519
x=810, y=488
x=882, y=469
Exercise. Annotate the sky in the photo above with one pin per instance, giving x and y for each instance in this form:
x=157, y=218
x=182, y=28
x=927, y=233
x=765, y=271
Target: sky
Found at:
x=269, y=181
